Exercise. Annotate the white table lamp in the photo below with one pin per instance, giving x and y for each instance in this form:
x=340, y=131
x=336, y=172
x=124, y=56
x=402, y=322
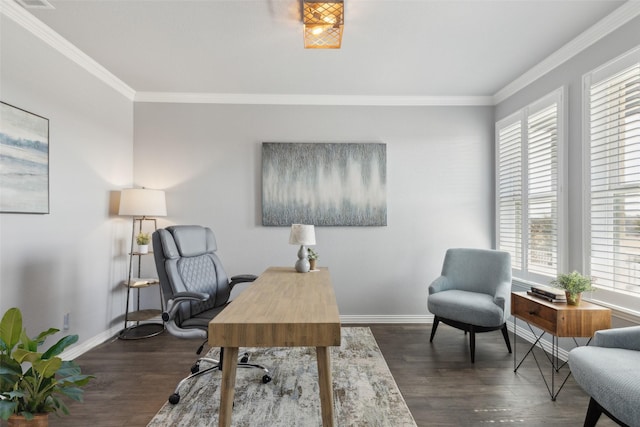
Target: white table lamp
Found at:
x=303, y=235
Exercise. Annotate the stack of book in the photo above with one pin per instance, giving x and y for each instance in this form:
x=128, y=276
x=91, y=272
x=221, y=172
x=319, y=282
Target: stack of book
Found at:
x=548, y=293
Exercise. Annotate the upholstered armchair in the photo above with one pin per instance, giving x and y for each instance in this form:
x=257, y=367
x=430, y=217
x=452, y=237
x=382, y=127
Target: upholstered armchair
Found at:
x=608, y=370
x=473, y=293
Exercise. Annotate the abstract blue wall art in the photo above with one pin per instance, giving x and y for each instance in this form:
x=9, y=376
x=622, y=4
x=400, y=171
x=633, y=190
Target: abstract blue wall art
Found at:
x=24, y=161
x=324, y=184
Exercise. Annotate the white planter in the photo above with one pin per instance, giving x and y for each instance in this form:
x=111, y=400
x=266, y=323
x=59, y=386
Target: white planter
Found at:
x=143, y=249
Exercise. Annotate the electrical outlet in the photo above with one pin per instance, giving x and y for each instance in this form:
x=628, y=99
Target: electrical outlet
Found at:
x=65, y=322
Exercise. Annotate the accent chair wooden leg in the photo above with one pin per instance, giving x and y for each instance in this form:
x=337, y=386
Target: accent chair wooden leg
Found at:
x=434, y=327
x=472, y=343
x=505, y=334
x=593, y=413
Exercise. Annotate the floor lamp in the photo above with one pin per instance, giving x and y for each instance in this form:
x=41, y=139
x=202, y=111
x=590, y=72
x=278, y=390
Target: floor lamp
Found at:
x=141, y=204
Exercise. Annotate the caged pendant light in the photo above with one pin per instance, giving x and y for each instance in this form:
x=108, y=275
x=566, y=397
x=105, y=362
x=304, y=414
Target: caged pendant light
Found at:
x=323, y=24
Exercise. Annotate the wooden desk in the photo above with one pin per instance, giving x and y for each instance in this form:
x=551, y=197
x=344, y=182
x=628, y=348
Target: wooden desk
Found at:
x=282, y=308
x=559, y=320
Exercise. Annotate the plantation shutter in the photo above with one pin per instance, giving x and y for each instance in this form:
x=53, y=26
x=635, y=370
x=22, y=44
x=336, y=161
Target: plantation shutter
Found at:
x=614, y=129
x=528, y=190
x=510, y=192
x=542, y=191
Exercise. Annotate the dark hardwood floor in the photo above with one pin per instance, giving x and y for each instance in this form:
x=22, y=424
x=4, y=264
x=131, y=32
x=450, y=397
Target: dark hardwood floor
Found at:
x=438, y=382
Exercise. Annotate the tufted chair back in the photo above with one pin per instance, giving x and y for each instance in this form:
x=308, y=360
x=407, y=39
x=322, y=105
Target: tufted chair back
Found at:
x=186, y=261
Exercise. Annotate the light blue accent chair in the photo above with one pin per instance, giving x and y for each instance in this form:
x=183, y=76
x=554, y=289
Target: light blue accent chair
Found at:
x=473, y=293
x=608, y=370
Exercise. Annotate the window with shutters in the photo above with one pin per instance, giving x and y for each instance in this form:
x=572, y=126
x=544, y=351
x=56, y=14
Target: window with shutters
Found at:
x=528, y=188
x=612, y=95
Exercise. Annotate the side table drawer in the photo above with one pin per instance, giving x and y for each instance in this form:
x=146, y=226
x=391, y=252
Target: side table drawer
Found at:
x=542, y=316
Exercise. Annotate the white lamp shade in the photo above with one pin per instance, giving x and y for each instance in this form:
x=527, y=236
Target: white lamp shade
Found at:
x=142, y=202
x=302, y=234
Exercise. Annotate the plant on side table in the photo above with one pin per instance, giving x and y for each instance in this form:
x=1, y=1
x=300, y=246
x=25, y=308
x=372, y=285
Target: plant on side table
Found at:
x=32, y=383
x=573, y=284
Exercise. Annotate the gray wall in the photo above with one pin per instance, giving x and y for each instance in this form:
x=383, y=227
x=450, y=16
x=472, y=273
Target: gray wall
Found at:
x=439, y=189
x=72, y=259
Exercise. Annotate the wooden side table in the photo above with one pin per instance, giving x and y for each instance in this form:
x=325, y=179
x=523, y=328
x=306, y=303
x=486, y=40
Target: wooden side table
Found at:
x=558, y=320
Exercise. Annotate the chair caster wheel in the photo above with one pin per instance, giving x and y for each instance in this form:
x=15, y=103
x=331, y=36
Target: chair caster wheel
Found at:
x=266, y=379
x=245, y=358
x=174, y=398
x=195, y=368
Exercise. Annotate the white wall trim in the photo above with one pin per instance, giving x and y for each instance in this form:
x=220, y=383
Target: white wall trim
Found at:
x=608, y=24
x=89, y=344
x=36, y=27
x=522, y=332
x=400, y=318
x=110, y=334
x=311, y=99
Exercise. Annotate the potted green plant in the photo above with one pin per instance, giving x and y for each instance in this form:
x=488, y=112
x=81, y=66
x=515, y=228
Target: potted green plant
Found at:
x=313, y=257
x=143, y=239
x=573, y=284
x=33, y=382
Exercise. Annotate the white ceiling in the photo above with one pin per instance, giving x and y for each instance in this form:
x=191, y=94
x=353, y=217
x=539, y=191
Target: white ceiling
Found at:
x=418, y=48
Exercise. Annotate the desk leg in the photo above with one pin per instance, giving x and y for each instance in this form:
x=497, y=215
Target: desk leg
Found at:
x=227, y=389
x=326, y=385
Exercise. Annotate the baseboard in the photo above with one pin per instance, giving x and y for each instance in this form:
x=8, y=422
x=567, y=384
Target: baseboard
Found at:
x=398, y=318
x=95, y=341
x=89, y=344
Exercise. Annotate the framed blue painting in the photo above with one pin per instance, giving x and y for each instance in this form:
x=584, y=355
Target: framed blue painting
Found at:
x=24, y=161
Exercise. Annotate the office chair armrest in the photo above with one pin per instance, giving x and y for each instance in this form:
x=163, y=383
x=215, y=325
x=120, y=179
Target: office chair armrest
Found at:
x=178, y=298
x=242, y=278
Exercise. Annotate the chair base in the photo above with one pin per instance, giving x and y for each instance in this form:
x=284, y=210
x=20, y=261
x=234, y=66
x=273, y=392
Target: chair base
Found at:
x=472, y=329
x=593, y=414
x=216, y=366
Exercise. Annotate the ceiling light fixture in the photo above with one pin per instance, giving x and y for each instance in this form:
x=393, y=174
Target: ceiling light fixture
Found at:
x=323, y=23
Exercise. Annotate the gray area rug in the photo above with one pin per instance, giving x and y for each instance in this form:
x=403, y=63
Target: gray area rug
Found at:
x=365, y=393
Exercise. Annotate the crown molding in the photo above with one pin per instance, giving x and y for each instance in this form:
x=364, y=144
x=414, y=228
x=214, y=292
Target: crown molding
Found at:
x=614, y=20
x=309, y=99
x=18, y=14
x=599, y=30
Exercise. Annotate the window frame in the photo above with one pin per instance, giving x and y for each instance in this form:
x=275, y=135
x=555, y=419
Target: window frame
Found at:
x=615, y=298
x=557, y=97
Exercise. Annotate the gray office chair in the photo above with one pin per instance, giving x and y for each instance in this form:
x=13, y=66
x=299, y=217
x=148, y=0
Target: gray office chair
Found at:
x=473, y=293
x=195, y=288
